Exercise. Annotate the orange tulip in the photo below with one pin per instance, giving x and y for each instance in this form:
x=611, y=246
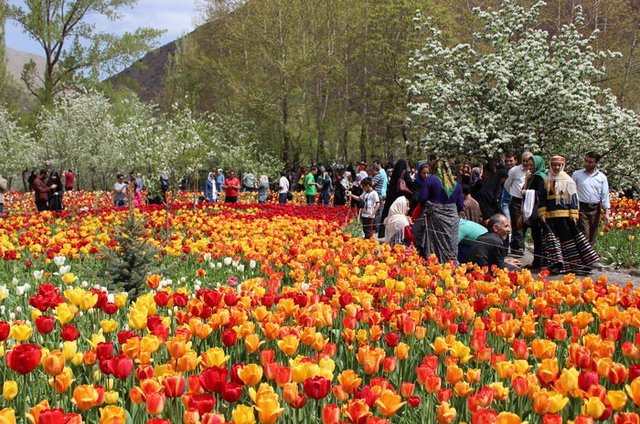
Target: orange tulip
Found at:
x=633, y=390
x=289, y=344
x=86, y=397
x=112, y=415
x=252, y=343
x=349, y=381
x=250, y=374
x=155, y=403
x=370, y=359
x=53, y=362
x=331, y=414
x=454, y=374
x=508, y=418
x=543, y=349
x=548, y=370
x=389, y=403
x=446, y=414
x=357, y=410
x=62, y=382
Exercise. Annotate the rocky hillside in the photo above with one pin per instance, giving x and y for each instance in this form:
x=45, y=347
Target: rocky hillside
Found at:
x=146, y=76
x=16, y=60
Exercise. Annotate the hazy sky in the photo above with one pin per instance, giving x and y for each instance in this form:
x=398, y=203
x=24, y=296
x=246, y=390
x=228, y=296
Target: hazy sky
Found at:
x=177, y=17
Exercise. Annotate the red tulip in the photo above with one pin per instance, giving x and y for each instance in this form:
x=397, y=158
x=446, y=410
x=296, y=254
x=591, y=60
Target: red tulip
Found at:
x=587, y=379
x=484, y=416
x=634, y=371
x=5, y=329
x=104, y=351
x=159, y=421
x=317, y=387
x=24, y=358
x=392, y=339
x=413, y=401
x=232, y=392
x=69, y=333
x=174, y=385
x=551, y=419
x=229, y=337
x=45, y=324
x=203, y=403
x=51, y=416
x=121, y=366
x=213, y=379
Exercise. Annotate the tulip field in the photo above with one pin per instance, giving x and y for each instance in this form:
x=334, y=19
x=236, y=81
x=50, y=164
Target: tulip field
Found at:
x=275, y=314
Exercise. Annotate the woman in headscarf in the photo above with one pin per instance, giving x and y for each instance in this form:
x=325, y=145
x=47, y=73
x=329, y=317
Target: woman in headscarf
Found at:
x=55, y=194
x=489, y=195
x=326, y=189
x=559, y=209
x=210, y=192
x=475, y=182
x=398, y=224
x=394, y=190
x=535, y=182
x=442, y=200
x=263, y=189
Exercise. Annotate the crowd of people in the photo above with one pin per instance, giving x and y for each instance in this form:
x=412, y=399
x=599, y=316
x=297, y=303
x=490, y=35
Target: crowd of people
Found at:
x=456, y=212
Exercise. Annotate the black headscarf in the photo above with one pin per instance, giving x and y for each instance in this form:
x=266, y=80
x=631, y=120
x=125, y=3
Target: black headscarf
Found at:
x=401, y=165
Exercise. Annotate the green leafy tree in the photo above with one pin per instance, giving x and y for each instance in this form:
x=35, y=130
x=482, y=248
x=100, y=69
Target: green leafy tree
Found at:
x=72, y=47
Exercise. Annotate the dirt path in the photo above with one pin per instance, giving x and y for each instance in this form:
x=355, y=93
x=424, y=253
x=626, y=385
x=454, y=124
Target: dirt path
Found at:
x=617, y=276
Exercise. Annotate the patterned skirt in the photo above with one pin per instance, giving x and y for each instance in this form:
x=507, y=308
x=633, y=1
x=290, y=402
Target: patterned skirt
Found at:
x=564, y=248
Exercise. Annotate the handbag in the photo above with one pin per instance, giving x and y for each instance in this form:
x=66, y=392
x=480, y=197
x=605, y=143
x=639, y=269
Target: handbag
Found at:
x=289, y=196
x=402, y=185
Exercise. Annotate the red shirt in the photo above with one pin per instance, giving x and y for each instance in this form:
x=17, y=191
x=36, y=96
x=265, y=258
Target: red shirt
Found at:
x=68, y=182
x=232, y=186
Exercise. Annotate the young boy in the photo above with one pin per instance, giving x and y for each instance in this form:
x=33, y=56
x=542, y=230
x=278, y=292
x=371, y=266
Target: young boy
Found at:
x=371, y=202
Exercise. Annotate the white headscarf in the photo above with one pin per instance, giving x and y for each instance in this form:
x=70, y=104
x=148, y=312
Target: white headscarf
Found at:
x=397, y=219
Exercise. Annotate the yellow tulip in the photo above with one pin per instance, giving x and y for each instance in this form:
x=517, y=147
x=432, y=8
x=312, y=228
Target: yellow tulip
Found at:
x=243, y=414
x=9, y=390
x=21, y=332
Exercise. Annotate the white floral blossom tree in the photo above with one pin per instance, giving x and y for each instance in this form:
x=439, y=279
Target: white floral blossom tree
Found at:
x=99, y=138
x=520, y=88
x=18, y=150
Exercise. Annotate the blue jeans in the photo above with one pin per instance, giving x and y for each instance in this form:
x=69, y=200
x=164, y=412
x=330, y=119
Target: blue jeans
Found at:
x=1, y=208
x=120, y=202
x=282, y=198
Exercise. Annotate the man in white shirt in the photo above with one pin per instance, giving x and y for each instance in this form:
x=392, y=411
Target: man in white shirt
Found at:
x=593, y=195
x=514, y=184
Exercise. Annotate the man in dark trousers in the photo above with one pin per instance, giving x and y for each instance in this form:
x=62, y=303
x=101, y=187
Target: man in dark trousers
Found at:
x=489, y=248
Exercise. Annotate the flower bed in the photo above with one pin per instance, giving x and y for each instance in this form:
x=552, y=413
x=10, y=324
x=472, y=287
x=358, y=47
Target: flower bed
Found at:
x=273, y=314
x=618, y=242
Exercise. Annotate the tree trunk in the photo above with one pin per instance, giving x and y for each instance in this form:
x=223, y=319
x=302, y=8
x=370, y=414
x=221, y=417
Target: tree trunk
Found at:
x=627, y=66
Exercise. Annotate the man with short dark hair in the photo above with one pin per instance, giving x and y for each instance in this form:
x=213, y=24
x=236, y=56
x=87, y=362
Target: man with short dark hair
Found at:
x=311, y=186
x=514, y=184
x=489, y=250
x=41, y=191
x=120, y=191
x=593, y=195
